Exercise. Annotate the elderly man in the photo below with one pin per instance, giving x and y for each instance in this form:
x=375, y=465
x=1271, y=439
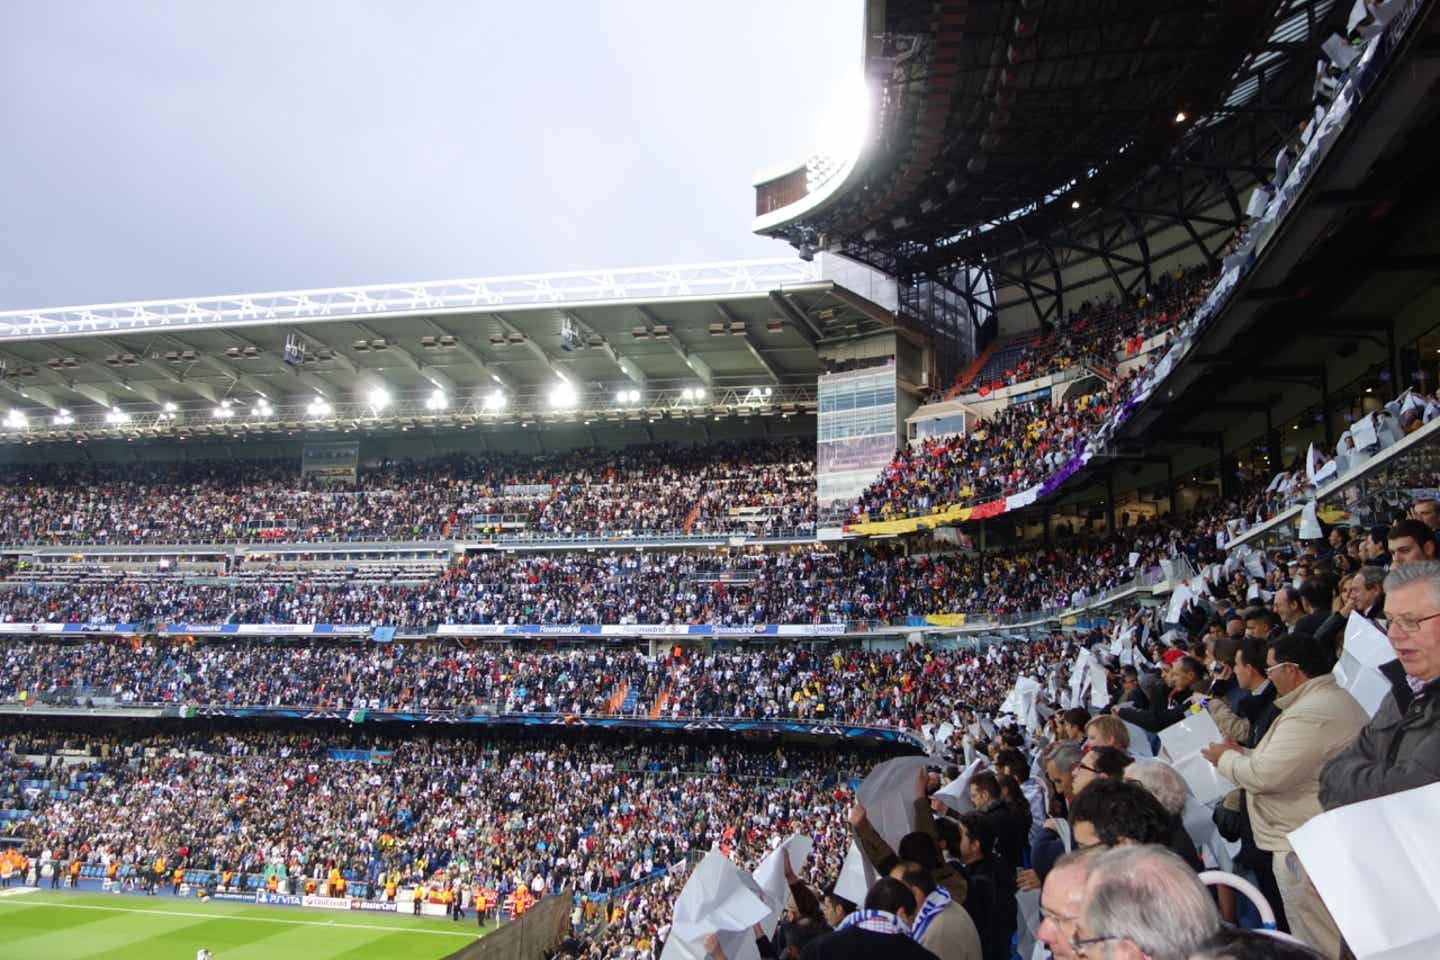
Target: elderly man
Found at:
x=1143, y=903
x=1061, y=899
x=1280, y=776
x=1400, y=748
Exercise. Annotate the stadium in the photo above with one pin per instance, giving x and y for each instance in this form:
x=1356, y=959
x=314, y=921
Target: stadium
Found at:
x=1051, y=521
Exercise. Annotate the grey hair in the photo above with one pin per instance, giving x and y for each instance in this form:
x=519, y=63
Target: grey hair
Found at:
x=1163, y=781
x=1149, y=896
x=1065, y=754
x=1373, y=576
x=1426, y=571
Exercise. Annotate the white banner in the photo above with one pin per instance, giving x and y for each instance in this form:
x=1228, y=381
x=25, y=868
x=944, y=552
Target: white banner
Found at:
x=325, y=903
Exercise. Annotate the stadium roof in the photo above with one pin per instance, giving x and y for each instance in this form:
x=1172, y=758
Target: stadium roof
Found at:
x=1029, y=134
x=673, y=340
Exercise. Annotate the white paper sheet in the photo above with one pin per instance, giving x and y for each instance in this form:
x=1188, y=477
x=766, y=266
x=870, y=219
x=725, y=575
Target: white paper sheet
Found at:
x=770, y=875
x=1310, y=523
x=856, y=876
x=1359, y=668
x=1181, y=744
x=888, y=796
x=956, y=793
x=1374, y=866
x=1181, y=596
x=716, y=899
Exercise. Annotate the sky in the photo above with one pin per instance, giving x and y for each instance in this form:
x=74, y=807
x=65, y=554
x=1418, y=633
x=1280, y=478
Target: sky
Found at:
x=167, y=149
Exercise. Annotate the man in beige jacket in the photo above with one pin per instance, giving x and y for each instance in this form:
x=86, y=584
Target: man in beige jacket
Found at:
x=1281, y=775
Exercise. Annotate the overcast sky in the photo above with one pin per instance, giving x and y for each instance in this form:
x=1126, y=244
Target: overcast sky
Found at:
x=164, y=149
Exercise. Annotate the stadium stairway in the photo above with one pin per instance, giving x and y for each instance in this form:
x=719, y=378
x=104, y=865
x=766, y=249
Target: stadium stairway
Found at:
x=659, y=706
x=620, y=696
x=631, y=700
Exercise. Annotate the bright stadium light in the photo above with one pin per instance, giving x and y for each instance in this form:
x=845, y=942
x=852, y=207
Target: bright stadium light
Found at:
x=262, y=408
x=563, y=395
x=223, y=411
x=495, y=400
x=169, y=407
x=63, y=418
x=378, y=398
x=16, y=420
x=319, y=407
x=437, y=400
x=846, y=125
x=117, y=416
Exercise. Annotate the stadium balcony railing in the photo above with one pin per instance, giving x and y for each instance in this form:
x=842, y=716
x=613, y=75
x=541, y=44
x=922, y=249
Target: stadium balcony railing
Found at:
x=457, y=540
x=1367, y=494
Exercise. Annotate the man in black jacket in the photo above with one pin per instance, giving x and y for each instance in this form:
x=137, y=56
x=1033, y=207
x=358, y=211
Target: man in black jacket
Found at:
x=990, y=894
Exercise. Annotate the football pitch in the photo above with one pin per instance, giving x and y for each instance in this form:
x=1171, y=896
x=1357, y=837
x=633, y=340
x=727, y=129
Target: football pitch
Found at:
x=48, y=925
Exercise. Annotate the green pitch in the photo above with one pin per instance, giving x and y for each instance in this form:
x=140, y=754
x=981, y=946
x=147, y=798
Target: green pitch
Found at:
x=48, y=925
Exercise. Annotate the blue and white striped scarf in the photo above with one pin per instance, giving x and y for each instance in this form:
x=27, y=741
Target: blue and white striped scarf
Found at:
x=879, y=921
x=938, y=900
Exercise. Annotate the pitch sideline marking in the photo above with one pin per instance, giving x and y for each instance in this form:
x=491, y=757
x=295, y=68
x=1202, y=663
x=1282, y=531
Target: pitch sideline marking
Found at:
x=17, y=891
x=203, y=916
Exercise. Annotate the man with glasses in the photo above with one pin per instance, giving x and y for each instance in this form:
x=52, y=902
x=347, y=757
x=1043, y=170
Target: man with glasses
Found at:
x=1061, y=899
x=1142, y=903
x=1280, y=776
x=1400, y=748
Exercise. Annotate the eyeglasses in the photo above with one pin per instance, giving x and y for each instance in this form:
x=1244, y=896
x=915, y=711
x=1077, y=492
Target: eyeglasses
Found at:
x=1082, y=945
x=1283, y=663
x=1410, y=624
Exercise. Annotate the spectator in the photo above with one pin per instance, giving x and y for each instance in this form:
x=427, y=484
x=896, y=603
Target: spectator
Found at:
x=879, y=930
x=1399, y=749
x=1280, y=775
x=1101, y=762
x=1144, y=903
x=1107, y=731
x=1062, y=901
x=1410, y=541
x=941, y=924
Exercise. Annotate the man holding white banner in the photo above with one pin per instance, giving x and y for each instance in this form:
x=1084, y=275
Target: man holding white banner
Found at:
x=1400, y=748
x=1280, y=775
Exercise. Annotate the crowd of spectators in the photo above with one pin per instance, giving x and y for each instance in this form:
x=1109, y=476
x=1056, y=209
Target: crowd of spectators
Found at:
x=797, y=585
x=760, y=488
x=587, y=817
x=911, y=687
x=1106, y=332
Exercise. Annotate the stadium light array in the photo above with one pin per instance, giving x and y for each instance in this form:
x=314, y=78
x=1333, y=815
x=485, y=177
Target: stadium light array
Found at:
x=693, y=395
x=117, y=416
x=563, y=395
x=627, y=396
x=495, y=400
x=168, y=410
x=223, y=411
x=319, y=407
x=437, y=400
x=378, y=398
x=63, y=418
x=262, y=408
x=16, y=420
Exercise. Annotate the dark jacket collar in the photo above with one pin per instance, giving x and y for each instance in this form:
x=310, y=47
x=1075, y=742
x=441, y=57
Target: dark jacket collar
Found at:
x=1400, y=686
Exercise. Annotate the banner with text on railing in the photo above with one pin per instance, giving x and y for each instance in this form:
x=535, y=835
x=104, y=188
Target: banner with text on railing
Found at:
x=639, y=629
